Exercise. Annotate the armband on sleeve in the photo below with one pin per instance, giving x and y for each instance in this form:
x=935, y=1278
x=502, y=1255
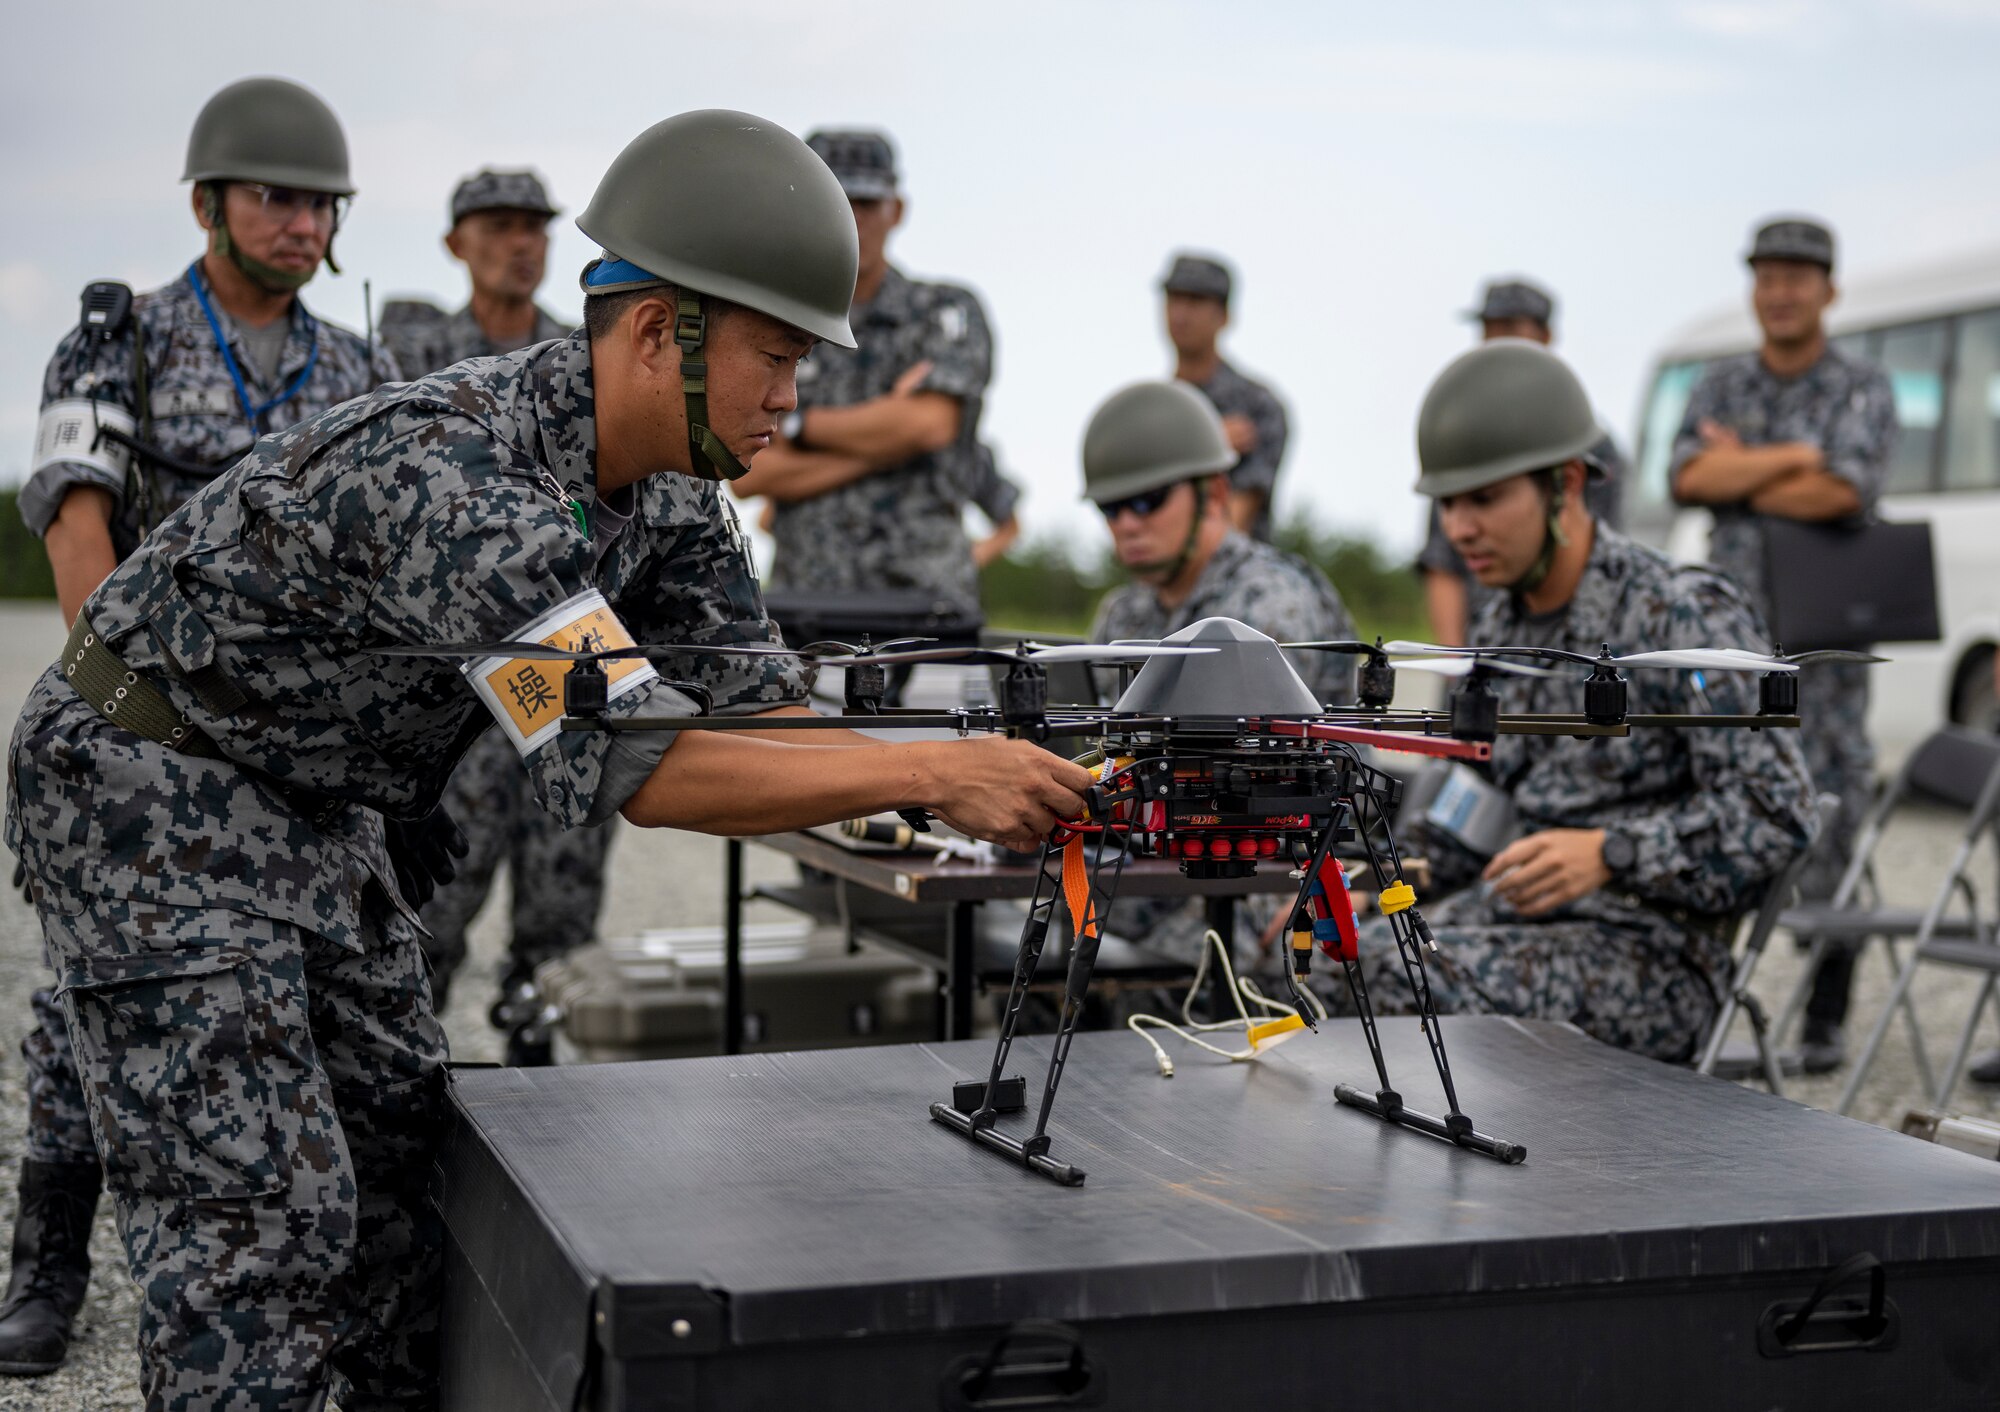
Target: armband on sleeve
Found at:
x=525, y=694
x=71, y=430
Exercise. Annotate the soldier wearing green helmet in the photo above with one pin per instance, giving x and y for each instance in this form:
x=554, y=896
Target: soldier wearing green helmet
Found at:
x=1604, y=883
x=143, y=403
x=247, y=929
x=1156, y=461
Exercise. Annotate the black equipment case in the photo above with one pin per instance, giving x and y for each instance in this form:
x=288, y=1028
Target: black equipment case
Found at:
x=790, y=1231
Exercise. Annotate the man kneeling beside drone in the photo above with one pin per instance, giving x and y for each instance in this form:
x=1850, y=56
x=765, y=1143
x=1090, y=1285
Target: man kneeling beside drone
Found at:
x=1605, y=887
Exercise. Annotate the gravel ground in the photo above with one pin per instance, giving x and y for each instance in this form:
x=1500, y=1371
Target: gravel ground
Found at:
x=662, y=880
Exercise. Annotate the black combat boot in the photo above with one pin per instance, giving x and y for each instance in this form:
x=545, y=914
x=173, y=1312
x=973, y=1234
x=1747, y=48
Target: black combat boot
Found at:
x=51, y=1264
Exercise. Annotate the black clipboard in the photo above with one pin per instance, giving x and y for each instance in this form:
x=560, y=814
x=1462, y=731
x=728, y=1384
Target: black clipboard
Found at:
x=1850, y=586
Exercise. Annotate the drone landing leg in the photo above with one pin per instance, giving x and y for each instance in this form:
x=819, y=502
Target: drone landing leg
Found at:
x=1455, y=1127
x=1089, y=899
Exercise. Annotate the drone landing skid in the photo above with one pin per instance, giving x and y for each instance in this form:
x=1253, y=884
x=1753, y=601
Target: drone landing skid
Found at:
x=1457, y=1129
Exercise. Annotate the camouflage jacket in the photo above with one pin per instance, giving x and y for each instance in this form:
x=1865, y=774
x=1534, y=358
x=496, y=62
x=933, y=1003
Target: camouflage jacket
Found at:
x=1235, y=395
x=425, y=339
x=192, y=411
x=1844, y=407
x=430, y=512
x=901, y=527
x=1282, y=597
x=1712, y=811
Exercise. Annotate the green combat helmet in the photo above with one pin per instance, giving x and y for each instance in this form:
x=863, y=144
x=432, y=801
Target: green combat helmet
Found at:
x=727, y=206
x=1504, y=409
x=1149, y=436
x=273, y=131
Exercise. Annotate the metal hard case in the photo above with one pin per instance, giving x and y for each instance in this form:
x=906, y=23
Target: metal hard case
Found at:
x=786, y=1230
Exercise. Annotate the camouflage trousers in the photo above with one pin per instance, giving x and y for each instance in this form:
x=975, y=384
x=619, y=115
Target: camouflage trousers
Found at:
x=557, y=874
x=1833, y=734
x=265, y=1105
x=1629, y=980
x=58, y=1120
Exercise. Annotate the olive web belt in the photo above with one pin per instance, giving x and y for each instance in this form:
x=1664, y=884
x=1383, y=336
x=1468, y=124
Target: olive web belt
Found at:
x=124, y=697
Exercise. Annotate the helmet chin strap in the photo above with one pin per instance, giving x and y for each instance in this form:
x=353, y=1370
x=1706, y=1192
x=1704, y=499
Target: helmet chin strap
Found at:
x=268, y=278
x=1555, y=539
x=707, y=456
x=1167, y=570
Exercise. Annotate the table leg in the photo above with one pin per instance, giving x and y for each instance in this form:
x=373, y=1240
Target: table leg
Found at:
x=732, y=946
x=961, y=969
x=1220, y=914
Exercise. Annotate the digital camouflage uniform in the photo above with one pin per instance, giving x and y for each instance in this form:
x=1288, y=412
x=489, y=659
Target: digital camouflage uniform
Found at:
x=557, y=875
x=1603, y=494
x=194, y=417
x=1847, y=409
x=245, y=985
x=1712, y=813
x=1235, y=395
x=1280, y=596
x=902, y=527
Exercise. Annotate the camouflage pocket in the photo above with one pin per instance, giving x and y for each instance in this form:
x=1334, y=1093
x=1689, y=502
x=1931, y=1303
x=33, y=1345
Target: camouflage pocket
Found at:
x=201, y=1083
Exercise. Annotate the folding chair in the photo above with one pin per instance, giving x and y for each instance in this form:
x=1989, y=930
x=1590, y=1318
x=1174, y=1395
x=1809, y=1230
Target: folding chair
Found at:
x=1779, y=895
x=1952, y=766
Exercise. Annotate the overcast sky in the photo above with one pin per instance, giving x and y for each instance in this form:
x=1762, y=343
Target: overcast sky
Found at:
x=1364, y=166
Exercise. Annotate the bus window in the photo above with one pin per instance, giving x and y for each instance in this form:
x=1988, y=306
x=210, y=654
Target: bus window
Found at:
x=1852, y=345
x=1972, y=445
x=1913, y=357
x=1649, y=500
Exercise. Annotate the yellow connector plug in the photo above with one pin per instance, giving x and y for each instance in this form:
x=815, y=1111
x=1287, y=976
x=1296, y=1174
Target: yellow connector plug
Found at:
x=1275, y=1032
x=1395, y=897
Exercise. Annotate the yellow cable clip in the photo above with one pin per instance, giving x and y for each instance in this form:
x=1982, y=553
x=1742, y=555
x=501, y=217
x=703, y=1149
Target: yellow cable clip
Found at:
x=1275, y=1032
x=1395, y=897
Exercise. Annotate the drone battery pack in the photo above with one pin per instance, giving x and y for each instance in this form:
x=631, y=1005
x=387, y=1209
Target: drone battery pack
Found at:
x=792, y=1231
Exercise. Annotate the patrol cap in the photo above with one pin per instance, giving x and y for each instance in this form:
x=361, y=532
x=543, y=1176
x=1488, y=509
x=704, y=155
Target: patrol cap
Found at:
x=1793, y=238
x=1151, y=435
x=269, y=130
x=490, y=190
x=1515, y=299
x=1507, y=407
x=860, y=159
x=1200, y=275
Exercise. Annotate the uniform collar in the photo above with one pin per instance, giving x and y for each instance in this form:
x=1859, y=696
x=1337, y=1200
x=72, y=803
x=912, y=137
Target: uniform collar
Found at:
x=893, y=302
x=300, y=326
x=566, y=414
x=462, y=330
x=1593, y=608
x=1219, y=570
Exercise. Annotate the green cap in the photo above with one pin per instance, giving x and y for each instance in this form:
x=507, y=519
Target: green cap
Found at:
x=272, y=131
x=1507, y=407
x=730, y=205
x=1150, y=435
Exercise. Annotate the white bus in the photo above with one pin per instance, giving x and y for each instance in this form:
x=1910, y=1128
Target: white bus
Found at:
x=1936, y=332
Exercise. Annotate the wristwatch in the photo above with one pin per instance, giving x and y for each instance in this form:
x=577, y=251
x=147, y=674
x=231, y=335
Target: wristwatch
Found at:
x=792, y=425
x=1620, y=852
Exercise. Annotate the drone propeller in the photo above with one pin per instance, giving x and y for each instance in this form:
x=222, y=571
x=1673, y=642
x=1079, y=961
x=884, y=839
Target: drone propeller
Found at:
x=1711, y=659
x=1465, y=666
x=1077, y=652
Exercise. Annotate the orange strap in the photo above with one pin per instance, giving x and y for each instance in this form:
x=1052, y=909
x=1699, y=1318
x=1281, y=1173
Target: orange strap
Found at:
x=1076, y=888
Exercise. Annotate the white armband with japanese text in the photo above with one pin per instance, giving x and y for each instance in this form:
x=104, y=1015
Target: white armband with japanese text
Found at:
x=525, y=694
x=70, y=430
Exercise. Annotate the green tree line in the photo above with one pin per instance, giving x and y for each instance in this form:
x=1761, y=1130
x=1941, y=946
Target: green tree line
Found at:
x=1050, y=584
x=24, y=568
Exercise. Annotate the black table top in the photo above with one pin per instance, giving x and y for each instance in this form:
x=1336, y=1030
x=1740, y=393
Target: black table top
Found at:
x=808, y=1195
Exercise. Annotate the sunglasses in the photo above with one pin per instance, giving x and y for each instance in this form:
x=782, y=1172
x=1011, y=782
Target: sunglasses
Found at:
x=283, y=203
x=1142, y=504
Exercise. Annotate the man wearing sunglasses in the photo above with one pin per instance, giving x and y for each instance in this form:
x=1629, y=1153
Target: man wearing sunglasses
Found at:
x=1156, y=460
x=500, y=233
x=1604, y=889
x=139, y=410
